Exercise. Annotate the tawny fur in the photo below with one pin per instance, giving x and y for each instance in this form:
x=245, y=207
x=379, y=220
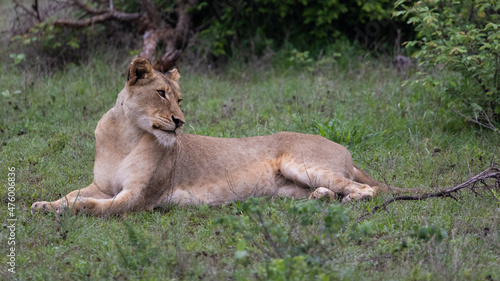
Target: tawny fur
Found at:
x=142, y=160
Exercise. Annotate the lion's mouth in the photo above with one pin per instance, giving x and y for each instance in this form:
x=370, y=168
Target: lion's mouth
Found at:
x=163, y=130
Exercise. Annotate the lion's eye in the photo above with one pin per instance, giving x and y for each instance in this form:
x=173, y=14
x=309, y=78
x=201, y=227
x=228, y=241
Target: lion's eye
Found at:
x=179, y=101
x=161, y=93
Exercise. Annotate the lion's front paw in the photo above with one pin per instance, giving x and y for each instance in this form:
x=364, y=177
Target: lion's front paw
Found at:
x=43, y=206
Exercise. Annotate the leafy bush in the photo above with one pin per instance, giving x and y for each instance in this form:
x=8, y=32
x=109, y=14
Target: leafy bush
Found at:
x=306, y=24
x=427, y=233
x=462, y=36
x=222, y=28
x=299, y=247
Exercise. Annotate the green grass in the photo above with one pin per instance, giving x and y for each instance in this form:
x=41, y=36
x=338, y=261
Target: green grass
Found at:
x=397, y=133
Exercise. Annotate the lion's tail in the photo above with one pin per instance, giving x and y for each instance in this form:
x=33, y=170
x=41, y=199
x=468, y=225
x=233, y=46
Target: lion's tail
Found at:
x=362, y=177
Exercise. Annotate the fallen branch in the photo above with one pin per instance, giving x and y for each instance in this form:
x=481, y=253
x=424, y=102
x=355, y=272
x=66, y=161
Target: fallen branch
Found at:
x=491, y=173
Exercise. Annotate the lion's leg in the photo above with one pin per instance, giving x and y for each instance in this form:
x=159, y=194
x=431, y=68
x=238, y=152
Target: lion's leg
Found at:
x=314, y=177
x=290, y=189
x=125, y=201
x=91, y=191
x=183, y=198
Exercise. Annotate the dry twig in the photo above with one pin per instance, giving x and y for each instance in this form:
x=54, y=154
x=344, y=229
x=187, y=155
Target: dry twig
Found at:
x=491, y=173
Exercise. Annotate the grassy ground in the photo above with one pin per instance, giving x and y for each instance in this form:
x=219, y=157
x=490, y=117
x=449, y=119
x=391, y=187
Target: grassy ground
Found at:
x=394, y=132
x=400, y=134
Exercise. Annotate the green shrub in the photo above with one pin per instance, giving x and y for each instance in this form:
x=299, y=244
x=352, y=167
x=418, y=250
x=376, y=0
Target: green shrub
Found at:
x=427, y=233
x=462, y=36
x=222, y=28
x=307, y=24
x=297, y=247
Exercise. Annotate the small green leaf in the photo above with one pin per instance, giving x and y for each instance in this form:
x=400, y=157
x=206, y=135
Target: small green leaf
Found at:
x=240, y=254
x=242, y=244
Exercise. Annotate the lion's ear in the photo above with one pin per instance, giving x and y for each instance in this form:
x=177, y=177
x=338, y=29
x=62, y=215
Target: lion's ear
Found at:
x=139, y=69
x=174, y=75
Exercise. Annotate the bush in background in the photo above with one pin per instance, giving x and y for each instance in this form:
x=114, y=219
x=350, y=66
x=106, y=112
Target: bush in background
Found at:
x=461, y=36
x=306, y=25
x=214, y=30
x=300, y=247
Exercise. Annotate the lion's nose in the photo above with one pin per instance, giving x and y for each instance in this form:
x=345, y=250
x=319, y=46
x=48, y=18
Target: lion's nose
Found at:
x=178, y=122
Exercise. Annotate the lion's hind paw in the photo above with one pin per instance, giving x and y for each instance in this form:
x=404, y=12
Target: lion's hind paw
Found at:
x=323, y=192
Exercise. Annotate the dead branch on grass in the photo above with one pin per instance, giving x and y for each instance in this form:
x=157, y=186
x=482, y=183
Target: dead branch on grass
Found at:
x=492, y=173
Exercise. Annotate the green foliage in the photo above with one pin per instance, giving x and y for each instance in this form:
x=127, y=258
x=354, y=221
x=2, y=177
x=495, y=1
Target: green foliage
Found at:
x=138, y=250
x=347, y=133
x=259, y=24
x=222, y=28
x=46, y=132
x=18, y=58
x=7, y=94
x=298, y=248
x=44, y=45
x=48, y=38
x=430, y=232
x=496, y=194
x=57, y=143
x=362, y=231
x=462, y=36
x=295, y=268
x=301, y=59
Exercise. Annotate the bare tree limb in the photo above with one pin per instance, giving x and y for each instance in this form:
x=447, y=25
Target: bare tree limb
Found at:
x=111, y=14
x=150, y=40
x=180, y=38
x=184, y=23
x=491, y=173
x=90, y=9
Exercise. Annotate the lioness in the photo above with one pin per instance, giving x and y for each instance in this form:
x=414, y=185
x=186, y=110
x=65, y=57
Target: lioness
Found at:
x=142, y=160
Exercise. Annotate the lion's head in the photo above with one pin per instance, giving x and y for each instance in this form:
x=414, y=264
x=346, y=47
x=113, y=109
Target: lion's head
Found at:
x=152, y=101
